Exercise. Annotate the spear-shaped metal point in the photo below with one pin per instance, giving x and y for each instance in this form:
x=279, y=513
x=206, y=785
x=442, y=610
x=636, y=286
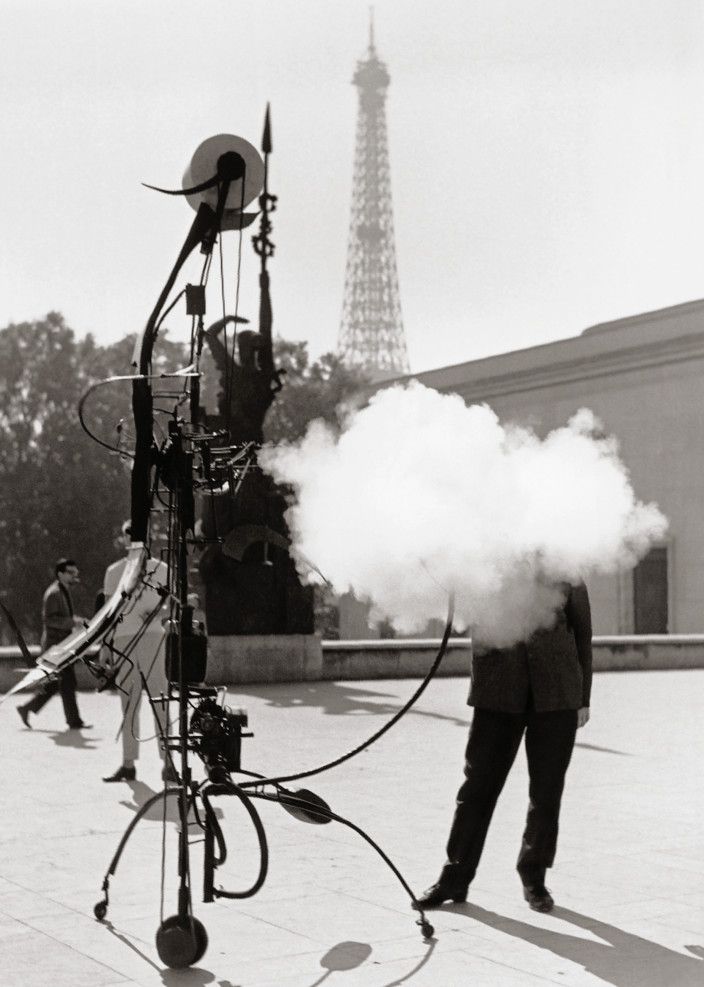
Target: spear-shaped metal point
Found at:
x=266, y=136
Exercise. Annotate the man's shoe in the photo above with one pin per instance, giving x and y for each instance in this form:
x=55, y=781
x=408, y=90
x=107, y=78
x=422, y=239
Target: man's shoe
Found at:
x=122, y=774
x=24, y=716
x=538, y=897
x=170, y=775
x=439, y=893
x=79, y=725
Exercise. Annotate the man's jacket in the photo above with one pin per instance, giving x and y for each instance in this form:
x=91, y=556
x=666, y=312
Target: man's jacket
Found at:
x=57, y=615
x=148, y=605
x=554, y=666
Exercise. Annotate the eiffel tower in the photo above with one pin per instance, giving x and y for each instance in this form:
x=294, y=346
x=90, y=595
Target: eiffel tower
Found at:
x=371, y=330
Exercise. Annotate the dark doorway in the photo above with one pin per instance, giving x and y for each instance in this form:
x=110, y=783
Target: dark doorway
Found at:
x=650, y=593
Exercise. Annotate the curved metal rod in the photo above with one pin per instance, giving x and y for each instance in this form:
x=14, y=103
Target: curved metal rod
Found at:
x=182, y=373
x=382, y=730
x=326, y=811
x=142, y=398
x=128, y=832
x=230, y=788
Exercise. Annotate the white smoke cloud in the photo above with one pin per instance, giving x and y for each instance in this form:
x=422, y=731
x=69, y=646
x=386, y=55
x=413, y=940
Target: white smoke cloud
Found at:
x=421, y=495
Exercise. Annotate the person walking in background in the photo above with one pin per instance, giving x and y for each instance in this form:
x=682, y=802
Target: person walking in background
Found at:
x=140, y=634
x=58, y=621
x=540, y=688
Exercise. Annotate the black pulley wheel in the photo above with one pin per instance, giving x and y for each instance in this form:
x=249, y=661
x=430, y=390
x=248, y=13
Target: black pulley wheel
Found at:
x=180, y=942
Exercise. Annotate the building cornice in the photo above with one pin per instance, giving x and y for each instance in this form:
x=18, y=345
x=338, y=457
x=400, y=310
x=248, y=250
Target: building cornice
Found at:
x=635, y=343
x=578, y=367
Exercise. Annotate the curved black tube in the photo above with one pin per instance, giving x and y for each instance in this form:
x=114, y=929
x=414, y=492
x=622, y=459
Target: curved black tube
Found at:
x=379, y=733
x=357, y=829
x=128, y=832
x=230, y=788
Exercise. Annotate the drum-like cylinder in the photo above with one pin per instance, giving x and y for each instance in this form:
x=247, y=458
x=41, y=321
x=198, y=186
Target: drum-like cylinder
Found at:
x=204, y=164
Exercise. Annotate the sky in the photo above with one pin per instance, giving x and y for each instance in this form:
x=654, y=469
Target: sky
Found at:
x=547, y=159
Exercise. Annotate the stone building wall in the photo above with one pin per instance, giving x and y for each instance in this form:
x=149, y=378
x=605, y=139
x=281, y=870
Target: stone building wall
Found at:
x=643, y=376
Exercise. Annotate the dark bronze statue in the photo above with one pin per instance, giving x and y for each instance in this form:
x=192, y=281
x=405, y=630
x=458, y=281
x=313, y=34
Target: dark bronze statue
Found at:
x=250, y=581
x=248, y=384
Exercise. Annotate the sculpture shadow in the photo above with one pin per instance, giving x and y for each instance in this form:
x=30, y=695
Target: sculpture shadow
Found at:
x=602, y=750
x=350, y=955
x=141, y=793
x=193, y=976
x=344, y=956
x=339, y=699
x=419, y=966
x=621, y=958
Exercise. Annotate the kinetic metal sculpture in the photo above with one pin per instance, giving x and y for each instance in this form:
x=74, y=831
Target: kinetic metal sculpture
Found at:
x=226, y=174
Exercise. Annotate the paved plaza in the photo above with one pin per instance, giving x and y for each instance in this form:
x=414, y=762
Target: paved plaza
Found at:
x=628, y=880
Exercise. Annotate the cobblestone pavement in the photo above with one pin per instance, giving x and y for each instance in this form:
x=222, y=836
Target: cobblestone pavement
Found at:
x=628, y=879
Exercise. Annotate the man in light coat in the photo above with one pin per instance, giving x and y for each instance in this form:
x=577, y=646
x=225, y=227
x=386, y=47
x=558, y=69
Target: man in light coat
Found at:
x=140, y=635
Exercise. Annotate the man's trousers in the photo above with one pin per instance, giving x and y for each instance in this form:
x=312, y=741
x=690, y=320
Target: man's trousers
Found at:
x=147, y=659
x=494, y=739
x=65, y=683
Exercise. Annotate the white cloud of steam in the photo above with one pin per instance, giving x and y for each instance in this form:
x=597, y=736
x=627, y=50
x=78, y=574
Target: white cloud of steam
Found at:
x=421, y=494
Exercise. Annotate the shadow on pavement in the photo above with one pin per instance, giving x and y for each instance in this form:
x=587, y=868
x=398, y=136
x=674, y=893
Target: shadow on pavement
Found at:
x=411, y=973
x=604, y=750
x=343, y=956
x=130, y=945
x=338, y=699
x=622, y=959
x=70, y=738
x=192, y=976
x=349, y=955
x=141, y=793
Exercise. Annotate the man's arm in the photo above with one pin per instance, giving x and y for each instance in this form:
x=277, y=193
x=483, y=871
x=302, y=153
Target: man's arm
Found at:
x=579, y=615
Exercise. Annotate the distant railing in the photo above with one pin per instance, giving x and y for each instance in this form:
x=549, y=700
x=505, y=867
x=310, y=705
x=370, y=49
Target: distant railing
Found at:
x=395, y=644
x=639, y=640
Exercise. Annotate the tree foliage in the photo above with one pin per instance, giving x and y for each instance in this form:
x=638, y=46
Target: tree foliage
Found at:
x=322, y=389
x=62, y=494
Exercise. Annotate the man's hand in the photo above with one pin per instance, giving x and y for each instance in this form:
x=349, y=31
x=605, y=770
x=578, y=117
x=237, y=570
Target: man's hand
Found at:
x=582, y=716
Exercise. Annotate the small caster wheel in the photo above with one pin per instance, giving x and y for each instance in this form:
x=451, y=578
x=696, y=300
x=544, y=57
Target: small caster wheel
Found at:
x=181, y=942
x=100, y=910
x=427, y=929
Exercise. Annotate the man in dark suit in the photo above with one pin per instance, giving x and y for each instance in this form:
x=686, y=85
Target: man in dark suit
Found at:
x=541, y=688
x=58, y=621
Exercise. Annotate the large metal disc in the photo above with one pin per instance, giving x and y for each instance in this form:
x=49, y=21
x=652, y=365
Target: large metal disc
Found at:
x=204, y=164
